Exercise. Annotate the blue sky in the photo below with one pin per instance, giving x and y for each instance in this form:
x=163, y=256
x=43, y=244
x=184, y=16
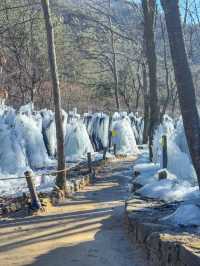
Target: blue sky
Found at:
x=182, y=8
x=158, y=1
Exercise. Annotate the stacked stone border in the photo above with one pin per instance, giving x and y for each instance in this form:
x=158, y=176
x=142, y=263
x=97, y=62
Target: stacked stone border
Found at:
x=164, y=245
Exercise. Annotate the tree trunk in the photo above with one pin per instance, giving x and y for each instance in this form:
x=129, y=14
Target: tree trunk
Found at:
x=114, y=63
x=166, y=102
x=174, y=102
x=137, y=100
x=146, y=106
x=185, y=86
x=61, y=178
x=149, y=16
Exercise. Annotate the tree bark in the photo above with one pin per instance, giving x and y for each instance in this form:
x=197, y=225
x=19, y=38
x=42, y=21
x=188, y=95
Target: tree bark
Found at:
x=148, y=7
x=185, y=85
x=146, y=105
x=61, y=178
x=114, y=62
x=167, y=74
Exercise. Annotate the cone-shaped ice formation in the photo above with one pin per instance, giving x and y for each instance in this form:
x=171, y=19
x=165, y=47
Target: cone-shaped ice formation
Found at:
x=77, y=142
x=123, y=137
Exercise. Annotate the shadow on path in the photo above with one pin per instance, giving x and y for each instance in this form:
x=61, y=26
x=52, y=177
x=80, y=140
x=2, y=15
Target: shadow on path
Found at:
x=92, y=235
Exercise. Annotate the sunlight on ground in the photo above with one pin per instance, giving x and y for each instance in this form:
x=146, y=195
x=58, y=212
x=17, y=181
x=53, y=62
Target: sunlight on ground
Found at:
x=67, y=225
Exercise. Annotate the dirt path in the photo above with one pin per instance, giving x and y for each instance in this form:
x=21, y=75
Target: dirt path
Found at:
x=86, y=231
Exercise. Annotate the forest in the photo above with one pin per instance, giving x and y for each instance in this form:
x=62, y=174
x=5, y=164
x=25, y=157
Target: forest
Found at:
x=93, y=41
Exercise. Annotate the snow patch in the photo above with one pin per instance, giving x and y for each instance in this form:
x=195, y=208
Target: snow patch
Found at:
x=185, y=215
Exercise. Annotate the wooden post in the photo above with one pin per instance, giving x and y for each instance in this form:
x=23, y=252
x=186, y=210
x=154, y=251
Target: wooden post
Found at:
x=60, y=180
x=115, y=149
x=109, y=132
x=162, y=175
x=89, y=162
x=67, y=174
x=104, y=153
x=164, y=151
x=35, y=201
x=109, y=139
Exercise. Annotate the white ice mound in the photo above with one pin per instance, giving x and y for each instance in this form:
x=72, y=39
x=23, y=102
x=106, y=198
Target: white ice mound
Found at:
x=168, y=190
x=77, y=141
x=180, y=138
x=180, y=164
x=27, y=109
x=27, y=130
x=146, y=167
x=185, y=215
x=49, y=131
x=123, y=137
x=7, y=115
x=137, y=124
x=12, y=154
x=97, y=126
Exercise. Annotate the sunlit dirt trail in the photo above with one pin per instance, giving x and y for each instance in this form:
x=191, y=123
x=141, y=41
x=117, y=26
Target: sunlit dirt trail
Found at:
x=86, y=231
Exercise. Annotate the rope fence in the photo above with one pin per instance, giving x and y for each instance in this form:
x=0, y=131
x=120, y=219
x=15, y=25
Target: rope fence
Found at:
x=36, y=175
x=51, y=173
x=85, y=167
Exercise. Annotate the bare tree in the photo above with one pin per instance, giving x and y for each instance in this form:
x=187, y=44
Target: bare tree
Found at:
x=61, y=177
x=114, y=64
x=149, y=7
x=184, y=81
